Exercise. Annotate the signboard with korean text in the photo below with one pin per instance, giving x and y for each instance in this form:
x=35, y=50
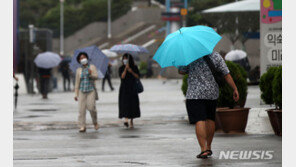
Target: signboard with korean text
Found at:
x=270, y=34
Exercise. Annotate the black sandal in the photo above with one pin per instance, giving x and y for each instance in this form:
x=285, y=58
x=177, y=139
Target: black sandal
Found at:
x=210, y=152
x=202, y=156
x=126, y=124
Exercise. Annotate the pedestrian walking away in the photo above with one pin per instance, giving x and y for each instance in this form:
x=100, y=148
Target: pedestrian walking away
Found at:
x=65, y=70
x=202, y=95
x=85, y=91
x=44, y=79
x=149, y=67
x=108, y=78
x=129, y=106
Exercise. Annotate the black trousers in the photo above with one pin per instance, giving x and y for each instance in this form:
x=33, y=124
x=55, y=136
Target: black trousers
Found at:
x=66, y=79
x=149, y=73
x=107, y=76
x=44, y=85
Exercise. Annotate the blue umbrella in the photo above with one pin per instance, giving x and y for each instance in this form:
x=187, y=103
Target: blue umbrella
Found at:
x=95, y=56
x=186, y=45
x=129, y=48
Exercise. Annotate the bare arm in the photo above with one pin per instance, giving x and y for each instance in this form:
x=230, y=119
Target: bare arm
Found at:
x=231, y=83
x=124, y=73
x=77, y=84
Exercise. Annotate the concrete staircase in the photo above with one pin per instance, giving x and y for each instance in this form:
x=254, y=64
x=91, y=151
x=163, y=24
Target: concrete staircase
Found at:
x=134, y=24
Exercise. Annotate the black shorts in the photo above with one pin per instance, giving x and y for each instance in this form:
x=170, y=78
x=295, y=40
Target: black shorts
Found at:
x=201, y=109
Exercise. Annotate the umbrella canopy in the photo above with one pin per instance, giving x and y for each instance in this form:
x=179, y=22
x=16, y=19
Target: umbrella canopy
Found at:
x=109, y=53
x=129, y=48
x=186, y=45
x=95, y=57
x=235, y=55
x=239, y=6
x=47, y=60
x=65, y=61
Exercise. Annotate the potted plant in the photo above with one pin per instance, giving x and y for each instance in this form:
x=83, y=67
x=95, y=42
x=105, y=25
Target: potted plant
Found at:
x=232, y=115
x=271, y=93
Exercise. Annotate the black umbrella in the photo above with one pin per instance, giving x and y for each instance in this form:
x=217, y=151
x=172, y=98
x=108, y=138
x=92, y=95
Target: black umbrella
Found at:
x=16, y=87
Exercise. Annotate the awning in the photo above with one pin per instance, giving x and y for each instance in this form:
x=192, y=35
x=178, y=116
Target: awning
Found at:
x=239, y=6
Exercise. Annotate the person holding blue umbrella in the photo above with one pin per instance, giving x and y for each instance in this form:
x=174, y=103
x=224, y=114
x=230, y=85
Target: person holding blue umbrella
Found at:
x=85, y=90
x=191, y=50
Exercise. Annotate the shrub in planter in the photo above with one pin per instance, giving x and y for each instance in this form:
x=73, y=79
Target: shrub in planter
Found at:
x=271, y=93
x=265, y=85
x=277, y=88
x=226, y=92
x=243, y=71
x=235, y=118
x=184, y=86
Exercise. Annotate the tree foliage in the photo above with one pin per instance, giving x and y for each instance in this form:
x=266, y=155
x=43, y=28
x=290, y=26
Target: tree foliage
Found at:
x=77, y=13
x=233, y=25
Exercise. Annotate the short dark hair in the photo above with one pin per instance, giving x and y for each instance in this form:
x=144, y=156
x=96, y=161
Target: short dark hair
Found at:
x=81, y=53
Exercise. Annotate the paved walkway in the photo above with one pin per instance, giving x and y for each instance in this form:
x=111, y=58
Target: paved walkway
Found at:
x=45, y=132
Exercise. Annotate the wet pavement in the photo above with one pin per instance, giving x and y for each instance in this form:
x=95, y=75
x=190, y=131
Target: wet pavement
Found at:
x=46, y=134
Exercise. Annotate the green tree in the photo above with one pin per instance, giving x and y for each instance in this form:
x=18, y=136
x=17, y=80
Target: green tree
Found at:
x=224, y=22
x=77, y=13
x=31, y=10
x=195, y=17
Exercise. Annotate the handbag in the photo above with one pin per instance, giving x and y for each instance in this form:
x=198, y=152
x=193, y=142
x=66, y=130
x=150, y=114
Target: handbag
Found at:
x=139, y=86
x=218, y=76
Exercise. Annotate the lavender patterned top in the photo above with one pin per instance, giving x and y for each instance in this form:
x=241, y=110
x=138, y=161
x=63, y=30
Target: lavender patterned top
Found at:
x=201, y=82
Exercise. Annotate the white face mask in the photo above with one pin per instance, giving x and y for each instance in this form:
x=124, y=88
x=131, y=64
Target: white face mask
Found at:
x=125, y=61
x=84, y=61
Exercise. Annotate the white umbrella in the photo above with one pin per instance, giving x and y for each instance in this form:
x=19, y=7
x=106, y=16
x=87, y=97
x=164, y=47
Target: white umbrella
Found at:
x=109, y=53
x=235, y=55
x=47, y=60
x=129, y=48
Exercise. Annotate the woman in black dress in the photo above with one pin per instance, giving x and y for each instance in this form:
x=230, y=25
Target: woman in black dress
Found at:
x=128, y=97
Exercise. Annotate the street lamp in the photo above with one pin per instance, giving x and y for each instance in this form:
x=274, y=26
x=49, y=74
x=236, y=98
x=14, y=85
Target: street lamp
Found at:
x=62, y=27
x=109, y=19
x=168, y=23
x=31, y=33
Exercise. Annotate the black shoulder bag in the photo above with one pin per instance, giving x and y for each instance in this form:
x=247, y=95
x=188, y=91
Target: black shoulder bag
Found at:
x=139, y=86
x=219, y=77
